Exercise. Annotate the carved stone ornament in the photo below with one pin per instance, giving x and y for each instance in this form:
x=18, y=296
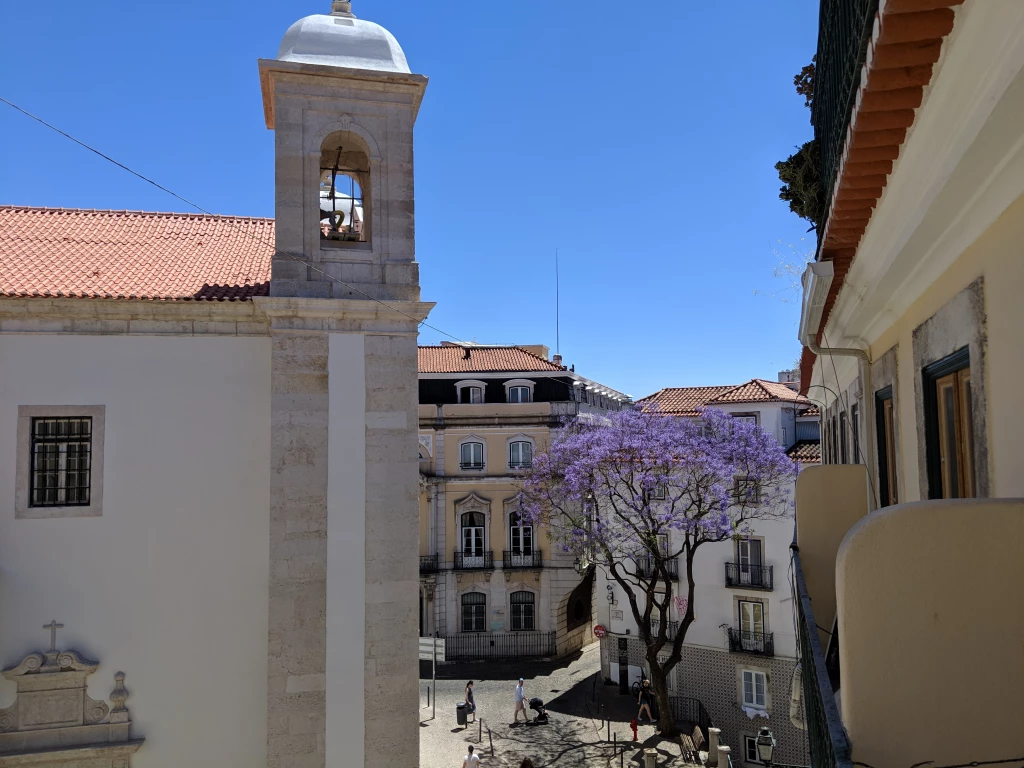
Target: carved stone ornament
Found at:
x=53, y=721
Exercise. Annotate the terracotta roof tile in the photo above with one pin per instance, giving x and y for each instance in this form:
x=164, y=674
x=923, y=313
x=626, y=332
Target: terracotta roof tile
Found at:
x=683, y=401
x=760, y=391
x=812, y=411
x=806, y=452
x=52, y=252
x=472, y=359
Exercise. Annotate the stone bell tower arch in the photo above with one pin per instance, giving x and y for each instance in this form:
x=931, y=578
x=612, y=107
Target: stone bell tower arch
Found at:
x=344, y=311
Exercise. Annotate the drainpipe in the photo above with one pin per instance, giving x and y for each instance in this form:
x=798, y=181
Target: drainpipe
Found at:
x=817, y=280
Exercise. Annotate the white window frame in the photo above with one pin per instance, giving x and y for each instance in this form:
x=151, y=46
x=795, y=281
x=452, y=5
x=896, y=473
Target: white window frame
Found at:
x=754, y=673
x=748, y=742
x=483, y=452
x=753, y=416
x=520, y=439
x=519, y=383
x=23, y=461
x=467, y=383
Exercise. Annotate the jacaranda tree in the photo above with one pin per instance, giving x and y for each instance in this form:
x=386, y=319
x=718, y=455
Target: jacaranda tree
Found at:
x=632, y=492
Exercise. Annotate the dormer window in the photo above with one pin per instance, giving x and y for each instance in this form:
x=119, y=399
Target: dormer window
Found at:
x=519, y=391
x=471, y=392
x=344, y=175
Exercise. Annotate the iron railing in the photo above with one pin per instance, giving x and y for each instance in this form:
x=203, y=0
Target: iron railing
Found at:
x=428, y=563
x=829, y=745
x=464, y=561
x=471, y=465
x=672, y=627
x=499, y=645
x=517, y=559
x=688, y=712
x=749, y=576
x=520, y=465
x=844, y=30
x=743, y=641
x=645, y=567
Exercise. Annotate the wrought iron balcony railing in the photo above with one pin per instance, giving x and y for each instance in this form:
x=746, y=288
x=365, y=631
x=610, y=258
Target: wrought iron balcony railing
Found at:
x=829, y=746
x=749, y=576
x=479, y=561
x=844, y=30
x=472, y=466
x=670, y=632
x=645, y=567
x=518, y=559
x=517, y=465
x=428, y=563
x=743, y=641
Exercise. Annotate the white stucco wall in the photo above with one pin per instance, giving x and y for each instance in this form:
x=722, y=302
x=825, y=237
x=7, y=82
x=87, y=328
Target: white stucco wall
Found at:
x=170, y=584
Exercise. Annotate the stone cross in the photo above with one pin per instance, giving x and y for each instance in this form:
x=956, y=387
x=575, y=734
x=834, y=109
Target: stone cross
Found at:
x=53, y=626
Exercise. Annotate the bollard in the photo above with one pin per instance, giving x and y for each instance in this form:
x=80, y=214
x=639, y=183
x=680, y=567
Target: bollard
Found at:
x=428, y=695
x=490, y=740
x=714, y=739
x=609, y=736
x=650, y=758
x=622, y=758
x=723, y=755
x=480, y=735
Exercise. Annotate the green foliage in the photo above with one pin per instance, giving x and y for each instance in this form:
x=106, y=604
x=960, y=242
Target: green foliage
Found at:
x=804, y=83
x=800, y=174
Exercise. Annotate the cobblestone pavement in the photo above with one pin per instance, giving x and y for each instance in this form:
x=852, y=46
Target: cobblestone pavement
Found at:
x=583, y=712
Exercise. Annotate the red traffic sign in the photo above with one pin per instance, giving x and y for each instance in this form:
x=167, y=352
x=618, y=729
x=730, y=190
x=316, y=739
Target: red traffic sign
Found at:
x=600, y=631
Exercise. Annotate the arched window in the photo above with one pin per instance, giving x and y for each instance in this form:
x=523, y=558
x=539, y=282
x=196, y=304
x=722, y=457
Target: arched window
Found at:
x=472, y=524
x=520, y=538
x=474, y=612
x=344, y=175
x=471, y=455
x=522, y=606
x=520, y=454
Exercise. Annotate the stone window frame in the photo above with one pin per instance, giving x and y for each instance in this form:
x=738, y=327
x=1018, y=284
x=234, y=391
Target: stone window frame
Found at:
x=474, y=438
x=960, y=322
x=23, y=481
x=513, y=506
x=520, y=438
x=762, y=599
x=461, y=385
x=519, y=383
x=522, y=588
x=743, y=736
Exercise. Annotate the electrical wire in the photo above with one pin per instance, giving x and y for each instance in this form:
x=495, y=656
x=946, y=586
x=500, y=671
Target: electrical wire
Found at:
x=282, y=254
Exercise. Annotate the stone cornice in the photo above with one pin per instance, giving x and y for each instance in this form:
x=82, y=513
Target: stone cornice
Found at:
x=344, y=315
x=134, y=317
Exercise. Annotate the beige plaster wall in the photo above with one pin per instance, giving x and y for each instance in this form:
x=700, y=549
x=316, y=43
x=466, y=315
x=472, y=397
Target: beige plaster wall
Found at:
x=169, y=585
x=931, y=621
x=497, y=534
x=830, y=499
x=496, y=441
x=998, y=257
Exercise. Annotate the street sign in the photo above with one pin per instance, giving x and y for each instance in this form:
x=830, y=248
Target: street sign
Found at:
x=427, y=646
x=600, y=631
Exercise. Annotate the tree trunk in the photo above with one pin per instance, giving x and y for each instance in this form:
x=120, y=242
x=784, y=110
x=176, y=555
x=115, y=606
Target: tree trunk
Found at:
x=659, y=682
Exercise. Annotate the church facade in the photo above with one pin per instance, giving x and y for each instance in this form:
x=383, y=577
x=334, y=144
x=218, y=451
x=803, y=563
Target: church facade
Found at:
x=208, y=431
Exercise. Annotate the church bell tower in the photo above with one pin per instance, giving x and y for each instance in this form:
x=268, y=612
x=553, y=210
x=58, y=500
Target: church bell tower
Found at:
x=344, y=311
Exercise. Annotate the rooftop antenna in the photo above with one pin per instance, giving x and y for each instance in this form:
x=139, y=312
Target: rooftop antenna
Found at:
x=558, y=344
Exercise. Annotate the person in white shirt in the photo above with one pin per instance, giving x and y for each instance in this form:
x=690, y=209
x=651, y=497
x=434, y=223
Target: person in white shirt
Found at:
x=520, y=704
x=471, y=761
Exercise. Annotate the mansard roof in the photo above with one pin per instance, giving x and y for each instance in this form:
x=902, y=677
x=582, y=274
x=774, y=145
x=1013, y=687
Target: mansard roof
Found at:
x=480, y=359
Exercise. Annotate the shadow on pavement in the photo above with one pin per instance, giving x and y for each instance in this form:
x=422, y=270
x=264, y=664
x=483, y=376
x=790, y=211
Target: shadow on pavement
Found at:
x=497, y=669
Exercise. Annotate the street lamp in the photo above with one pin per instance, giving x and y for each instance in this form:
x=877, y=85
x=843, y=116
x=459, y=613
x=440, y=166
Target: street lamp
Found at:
x=765, y=745
x=577, y=566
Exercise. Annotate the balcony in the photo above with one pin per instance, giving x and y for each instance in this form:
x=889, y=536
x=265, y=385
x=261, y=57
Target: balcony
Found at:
x=428, y=563
x=518, y=466
x=749, y=576
x=758, y=643
x=483, y=561
x=514, y=559
x=670, y=631
x=645, y=567
x=472, y=466
x=844, y=31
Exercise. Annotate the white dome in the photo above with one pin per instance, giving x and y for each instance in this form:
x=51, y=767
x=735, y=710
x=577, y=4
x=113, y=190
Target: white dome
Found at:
x=342, y=40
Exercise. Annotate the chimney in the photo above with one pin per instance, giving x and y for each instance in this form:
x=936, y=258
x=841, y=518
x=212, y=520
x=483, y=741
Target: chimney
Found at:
x=556, y=359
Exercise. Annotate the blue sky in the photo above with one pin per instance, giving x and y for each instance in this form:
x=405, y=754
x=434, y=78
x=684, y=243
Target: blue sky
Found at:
x=637, y=138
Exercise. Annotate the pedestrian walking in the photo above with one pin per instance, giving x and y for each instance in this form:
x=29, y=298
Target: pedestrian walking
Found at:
x=471, y=760
x=644, y=701
x=520, y=704
x=470, y=702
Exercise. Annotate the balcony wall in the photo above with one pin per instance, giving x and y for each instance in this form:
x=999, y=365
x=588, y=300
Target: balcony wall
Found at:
x=830, y=499
x=931, y=621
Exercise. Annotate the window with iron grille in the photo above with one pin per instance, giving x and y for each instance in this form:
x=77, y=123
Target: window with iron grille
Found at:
x=522, y=605
x=61, y=468
x=474, y=612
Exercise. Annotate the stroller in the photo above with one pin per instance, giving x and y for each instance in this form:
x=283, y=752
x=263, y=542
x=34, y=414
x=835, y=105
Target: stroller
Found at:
x=538, y=706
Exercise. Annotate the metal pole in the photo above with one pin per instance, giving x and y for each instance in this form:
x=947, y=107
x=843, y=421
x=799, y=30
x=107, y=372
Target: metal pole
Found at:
x=480, y=735
x=609, y=736
x=490, y=740
x=433, y=674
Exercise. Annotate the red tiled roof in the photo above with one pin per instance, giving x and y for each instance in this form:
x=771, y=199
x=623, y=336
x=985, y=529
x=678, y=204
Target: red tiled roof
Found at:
x=51, y=252
x=683, y=401
x=687, y=401
x=812, y=411
x=470, y=359
x=806, y=452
